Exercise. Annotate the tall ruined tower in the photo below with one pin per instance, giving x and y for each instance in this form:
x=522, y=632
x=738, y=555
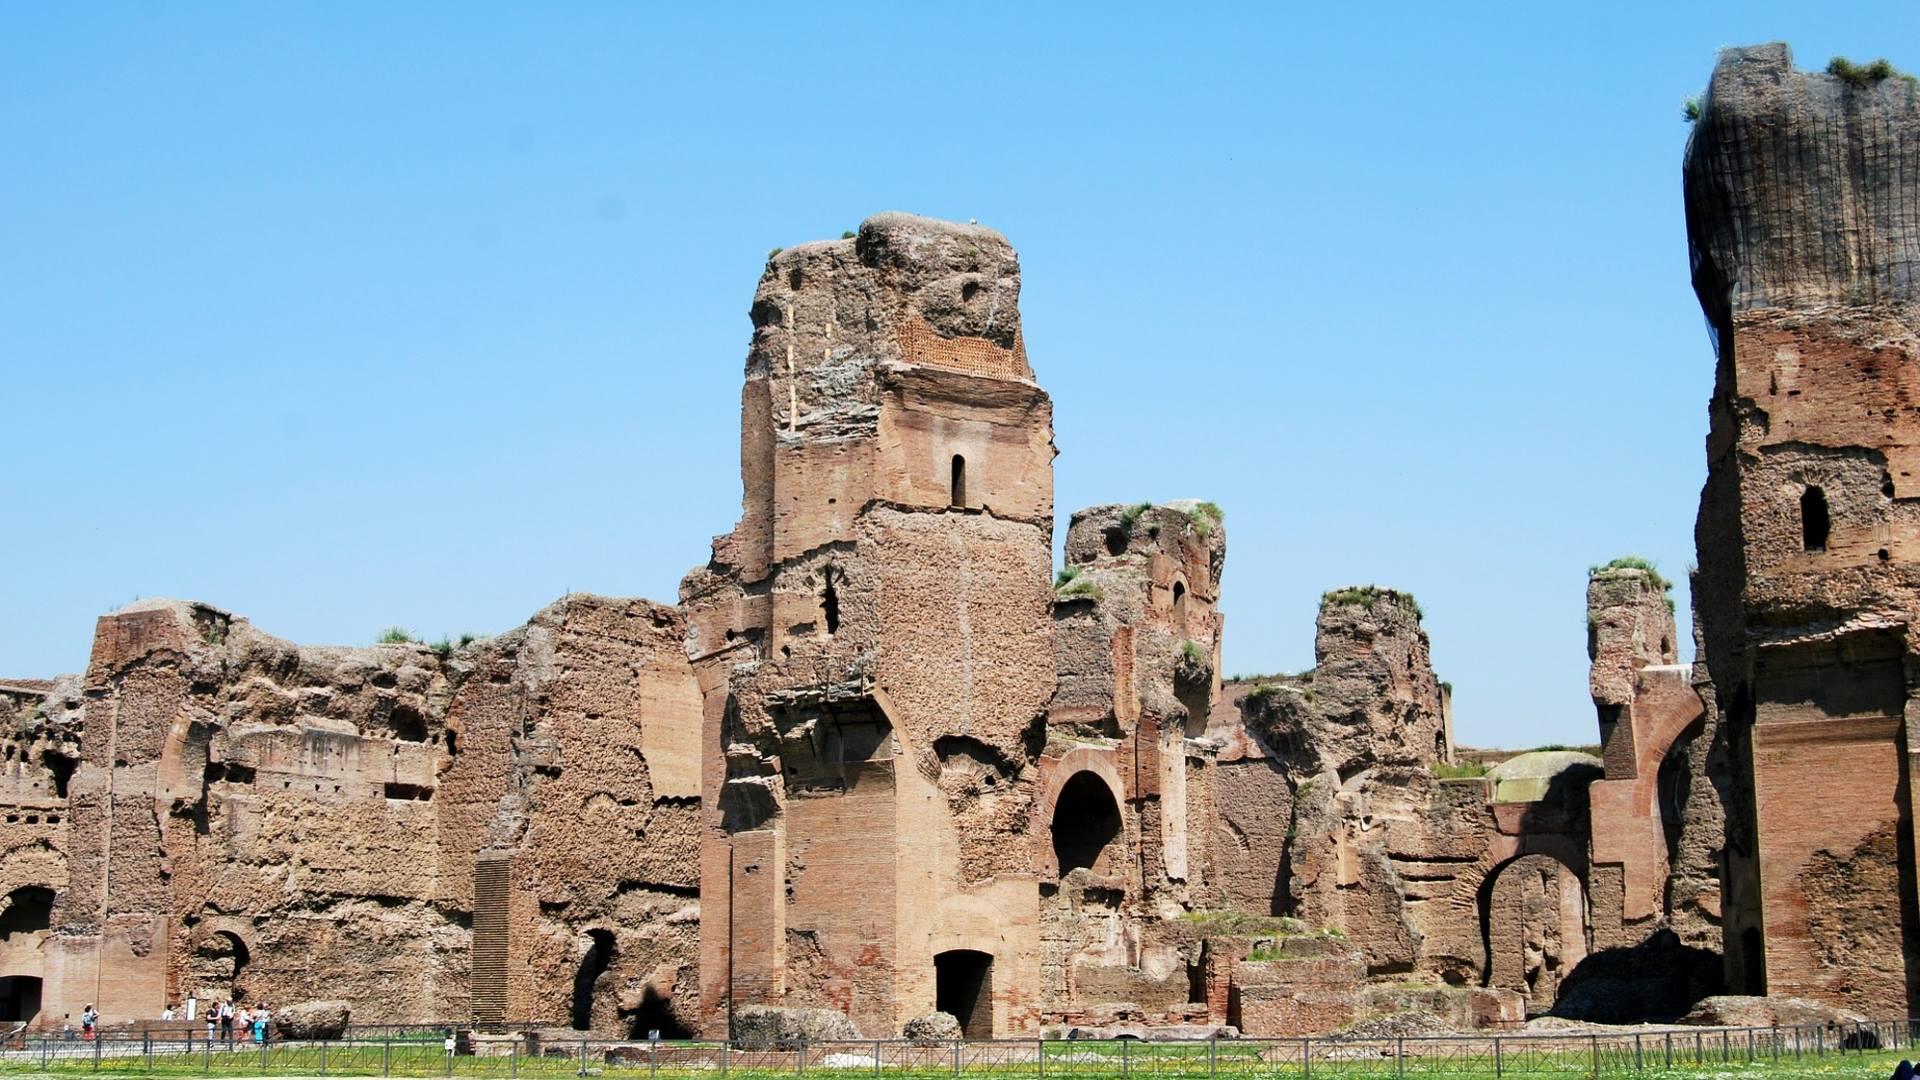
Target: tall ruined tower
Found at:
x=873, y=640
x=1803, y=213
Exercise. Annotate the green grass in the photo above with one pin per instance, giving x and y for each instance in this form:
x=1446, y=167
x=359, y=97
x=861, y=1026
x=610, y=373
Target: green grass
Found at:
x=395, y=635
x=1368, y=595
x=1459, y=770
x=1633, y=562
x=1132, y=514
x=1206, y=517
x=1080, y=589
x=1192, y=653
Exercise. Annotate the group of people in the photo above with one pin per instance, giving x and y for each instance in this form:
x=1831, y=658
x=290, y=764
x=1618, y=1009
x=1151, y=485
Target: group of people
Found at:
x=222, y=1018
x=252, y=1021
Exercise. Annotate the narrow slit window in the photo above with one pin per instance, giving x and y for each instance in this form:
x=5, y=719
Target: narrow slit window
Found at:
x=830, y=604
x=959, y=483
x=1815, y=522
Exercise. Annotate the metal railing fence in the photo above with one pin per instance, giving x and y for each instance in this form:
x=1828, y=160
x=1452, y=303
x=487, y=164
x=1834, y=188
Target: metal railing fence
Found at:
x=402, y=1050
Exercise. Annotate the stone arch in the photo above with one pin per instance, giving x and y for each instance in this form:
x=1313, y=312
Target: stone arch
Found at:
x=28, y=910
x=1533, y=915
x=1082, y=760
x=217, y=967
x=1086, y=825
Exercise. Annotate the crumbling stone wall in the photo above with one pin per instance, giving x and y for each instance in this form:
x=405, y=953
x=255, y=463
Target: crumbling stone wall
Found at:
x=255, y=820
x=1807, y=533
x=1650, y=719
x=873, y=639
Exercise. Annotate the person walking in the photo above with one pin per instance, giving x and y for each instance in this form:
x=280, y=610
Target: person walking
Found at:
x=226, y=1020
x=87, y=1020
x=213, y=1020
x=260, y=1018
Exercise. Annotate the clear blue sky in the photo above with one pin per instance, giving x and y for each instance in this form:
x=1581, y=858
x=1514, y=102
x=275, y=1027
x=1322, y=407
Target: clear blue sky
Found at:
x=348, y=315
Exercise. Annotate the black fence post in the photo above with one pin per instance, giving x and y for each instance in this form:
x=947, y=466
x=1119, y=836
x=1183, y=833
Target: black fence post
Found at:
x=1499, y=1064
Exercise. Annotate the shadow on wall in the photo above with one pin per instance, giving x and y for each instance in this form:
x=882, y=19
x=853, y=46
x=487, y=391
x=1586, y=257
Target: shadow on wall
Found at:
x=1658, y=979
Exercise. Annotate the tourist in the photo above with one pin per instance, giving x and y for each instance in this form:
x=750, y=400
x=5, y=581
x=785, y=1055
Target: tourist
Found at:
x=166, y=1014
x=260, y=1018
x=213, y=1019
x=87, y=1019
x=243, y=1020
x=226, y=1020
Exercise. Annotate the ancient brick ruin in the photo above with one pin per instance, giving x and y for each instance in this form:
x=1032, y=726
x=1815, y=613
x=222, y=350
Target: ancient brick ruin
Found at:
x=884, y=759
x=1805, y=227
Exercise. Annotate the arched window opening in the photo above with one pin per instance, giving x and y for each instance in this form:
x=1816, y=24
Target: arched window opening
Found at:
x=406, y=724
x=1815, y=522
x=28, y=909
x=830, y=603
x=963, y=989
x=958, y=486
x=61, y=767
x=1180, y=604
x=595, y=958
x=1086, y=822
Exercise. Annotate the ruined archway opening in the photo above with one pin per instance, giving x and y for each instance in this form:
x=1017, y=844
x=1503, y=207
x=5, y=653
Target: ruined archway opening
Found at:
x=1815, y=522
x=1180, y=605
x=957, y=485
x=28, y=909
x=405, y=723
x=1086, y=822
x=596, y=957
x=218, y=963
x=963, y=988
x=19, y=997
x=60, y=766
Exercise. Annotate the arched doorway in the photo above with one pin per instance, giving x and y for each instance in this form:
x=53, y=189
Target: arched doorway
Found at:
x=1086, y=824
x=963, y=988
x=1535, y=920
x=218, y=967
x=19, y=997
x=595, y=957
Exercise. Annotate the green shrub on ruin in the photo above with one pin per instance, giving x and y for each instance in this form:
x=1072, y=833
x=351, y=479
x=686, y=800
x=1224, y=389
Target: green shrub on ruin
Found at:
x=395, y=635
x=1459, y=770
x=847, y=234
x=1633, y=562
x=1064, y=575
x=1690, y=110
x=1206, y=517
x=1079, y=588
x=1368, y=595
x=1132, y=514
x=1860, y=76
x=444, y=647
